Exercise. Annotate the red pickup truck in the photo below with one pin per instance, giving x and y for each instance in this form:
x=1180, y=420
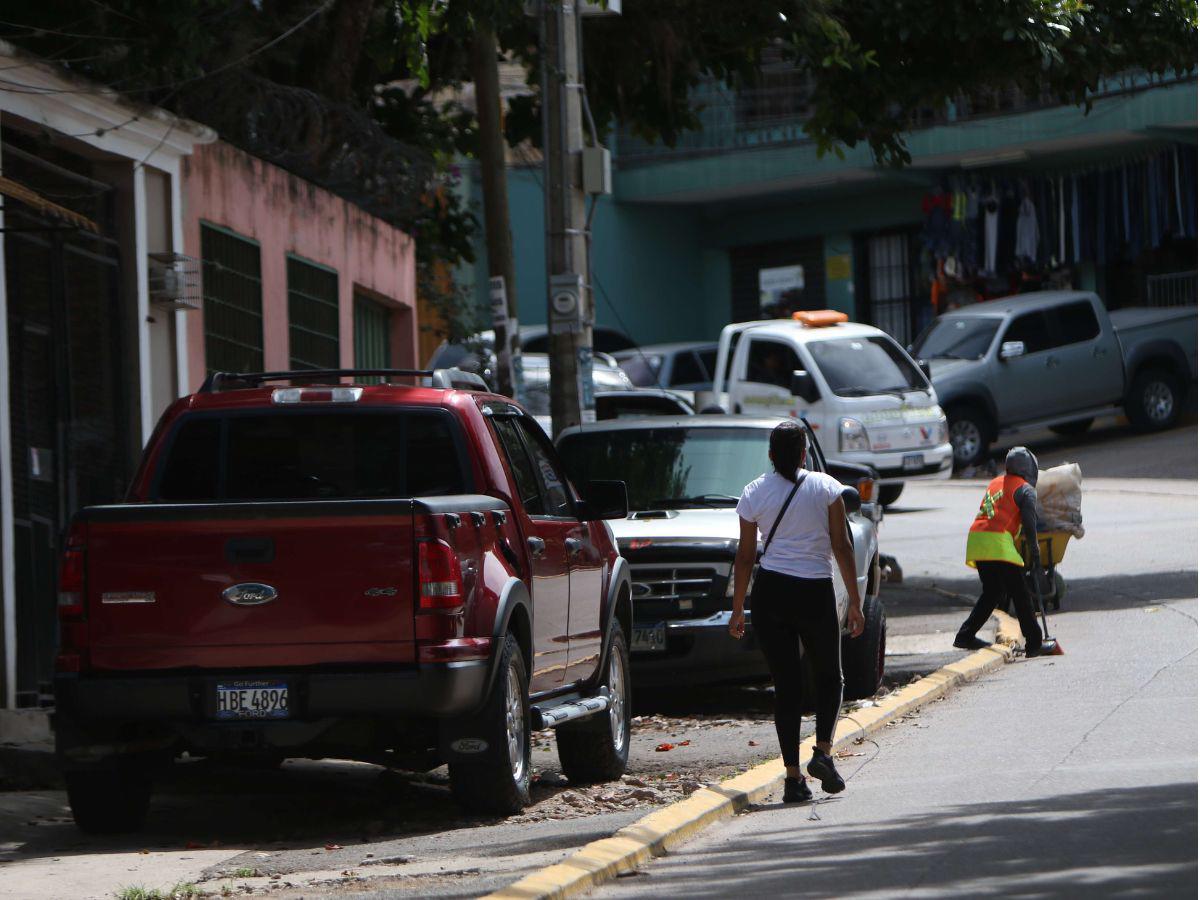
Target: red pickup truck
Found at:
x=308, y=568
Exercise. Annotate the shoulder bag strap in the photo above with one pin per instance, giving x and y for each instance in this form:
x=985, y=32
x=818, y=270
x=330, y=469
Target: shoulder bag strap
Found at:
x=782, y=510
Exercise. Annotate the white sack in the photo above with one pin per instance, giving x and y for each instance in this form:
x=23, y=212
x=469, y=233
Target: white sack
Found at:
x=1060, y=497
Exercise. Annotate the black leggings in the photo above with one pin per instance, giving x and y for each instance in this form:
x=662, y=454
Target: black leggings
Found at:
x=787, y=611
x=1002, y=582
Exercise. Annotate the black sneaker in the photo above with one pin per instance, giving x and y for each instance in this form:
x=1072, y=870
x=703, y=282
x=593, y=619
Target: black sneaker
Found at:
x=1046, y=649
x=821, y=768
x=795, y=790
x=971, y=643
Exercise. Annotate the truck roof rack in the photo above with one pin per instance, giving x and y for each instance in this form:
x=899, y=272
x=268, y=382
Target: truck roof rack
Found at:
x=217, y=381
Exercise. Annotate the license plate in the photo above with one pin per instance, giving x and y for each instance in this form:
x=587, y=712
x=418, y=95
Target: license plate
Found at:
x=649, y=638
x=252, y=700
x=914, y=461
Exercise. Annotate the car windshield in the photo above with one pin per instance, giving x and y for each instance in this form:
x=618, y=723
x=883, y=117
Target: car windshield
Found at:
x=670, y=467
x=859, y=367
x=961, y=338
x=642, y=368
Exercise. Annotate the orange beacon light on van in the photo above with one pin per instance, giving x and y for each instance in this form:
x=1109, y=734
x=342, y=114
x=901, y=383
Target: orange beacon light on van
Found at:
x=820, y=318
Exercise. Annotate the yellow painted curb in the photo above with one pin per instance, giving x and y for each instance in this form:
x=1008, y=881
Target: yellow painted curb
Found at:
x=656, y=833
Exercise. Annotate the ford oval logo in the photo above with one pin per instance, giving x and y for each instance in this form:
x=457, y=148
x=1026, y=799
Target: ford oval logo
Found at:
x=250, y=593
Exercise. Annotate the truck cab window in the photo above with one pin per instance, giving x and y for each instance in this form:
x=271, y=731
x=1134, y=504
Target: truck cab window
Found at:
x=520, y=464
x=771, y=362
x=549, y=474
x=687, y=370
x=1034, y=329
x=1077, y=323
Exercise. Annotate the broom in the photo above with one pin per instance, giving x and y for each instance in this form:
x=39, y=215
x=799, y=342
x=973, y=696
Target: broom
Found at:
x=1055, y=648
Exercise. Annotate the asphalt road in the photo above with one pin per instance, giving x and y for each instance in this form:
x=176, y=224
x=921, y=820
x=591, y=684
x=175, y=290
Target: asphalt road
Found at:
x=1064, y=776
x=331, y=828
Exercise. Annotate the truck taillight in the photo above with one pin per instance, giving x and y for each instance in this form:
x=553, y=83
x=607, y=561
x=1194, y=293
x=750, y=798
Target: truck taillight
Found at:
x=71, y=578
x=72, y=586
x=441, y=584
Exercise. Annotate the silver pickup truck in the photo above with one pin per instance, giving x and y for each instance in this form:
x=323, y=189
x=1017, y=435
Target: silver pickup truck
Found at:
x=1056, y=359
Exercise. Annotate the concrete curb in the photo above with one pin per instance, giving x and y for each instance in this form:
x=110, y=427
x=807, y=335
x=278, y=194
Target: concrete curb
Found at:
x=663, y=829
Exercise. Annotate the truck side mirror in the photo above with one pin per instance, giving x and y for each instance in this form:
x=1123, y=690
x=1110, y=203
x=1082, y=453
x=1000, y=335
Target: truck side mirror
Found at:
x=1012, y=349
x=851, y=498
x=604, y=500
x=804, y=386
x=923, y=365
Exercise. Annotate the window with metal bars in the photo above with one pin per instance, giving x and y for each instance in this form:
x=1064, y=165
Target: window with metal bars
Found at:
x=372, y=335
x=312, y=315
x=232, y=291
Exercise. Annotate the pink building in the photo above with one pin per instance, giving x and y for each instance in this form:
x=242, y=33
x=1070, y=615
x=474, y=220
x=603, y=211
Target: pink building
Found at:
x=293, y=276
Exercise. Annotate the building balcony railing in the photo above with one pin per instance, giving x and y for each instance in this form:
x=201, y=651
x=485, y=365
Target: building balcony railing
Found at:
x=774, y=113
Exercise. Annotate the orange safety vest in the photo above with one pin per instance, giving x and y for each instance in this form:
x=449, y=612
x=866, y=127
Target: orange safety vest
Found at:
x=997, y=528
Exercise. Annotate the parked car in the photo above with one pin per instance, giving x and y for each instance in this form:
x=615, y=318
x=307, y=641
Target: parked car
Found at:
x=395, y=574
x=681, y=367
x=477, y=353
x=858, y=389
x=684, y=477
x=1057, y=359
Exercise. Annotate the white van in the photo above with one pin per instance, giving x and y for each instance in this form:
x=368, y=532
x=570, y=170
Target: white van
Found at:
x=866, y=398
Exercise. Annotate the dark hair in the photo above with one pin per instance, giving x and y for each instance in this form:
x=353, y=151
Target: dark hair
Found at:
x=789, y=445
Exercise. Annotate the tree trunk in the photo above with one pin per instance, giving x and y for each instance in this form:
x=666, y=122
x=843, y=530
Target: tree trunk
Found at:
x=348, y=27
x=493, y=179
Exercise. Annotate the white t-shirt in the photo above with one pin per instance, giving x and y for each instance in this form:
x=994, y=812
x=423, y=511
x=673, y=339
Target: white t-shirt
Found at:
x=801, y=546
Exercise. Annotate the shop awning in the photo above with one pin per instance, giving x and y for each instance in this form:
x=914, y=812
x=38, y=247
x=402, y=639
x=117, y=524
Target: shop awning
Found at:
x=30, y=197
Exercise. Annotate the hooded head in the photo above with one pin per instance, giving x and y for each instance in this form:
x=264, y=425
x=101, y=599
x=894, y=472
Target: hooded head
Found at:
x=1023, y=463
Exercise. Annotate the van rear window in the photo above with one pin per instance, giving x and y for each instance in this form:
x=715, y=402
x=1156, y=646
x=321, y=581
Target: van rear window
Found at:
x=311, y=456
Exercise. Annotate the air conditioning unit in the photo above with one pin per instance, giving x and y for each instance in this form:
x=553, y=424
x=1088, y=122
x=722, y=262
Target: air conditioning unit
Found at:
x=174, y=281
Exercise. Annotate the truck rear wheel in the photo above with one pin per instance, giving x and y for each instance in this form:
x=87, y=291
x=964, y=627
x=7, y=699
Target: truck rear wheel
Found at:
x=1154, y=401
x=498, y=781
x=110, y=800
x=597, y=748
x=863, y=656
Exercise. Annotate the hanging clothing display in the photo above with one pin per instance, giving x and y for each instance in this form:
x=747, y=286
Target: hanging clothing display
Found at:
x=1027, y=232
x=991, y=221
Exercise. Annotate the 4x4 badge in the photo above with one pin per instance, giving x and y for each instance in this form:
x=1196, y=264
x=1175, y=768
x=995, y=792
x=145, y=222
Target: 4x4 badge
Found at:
x=249, y=593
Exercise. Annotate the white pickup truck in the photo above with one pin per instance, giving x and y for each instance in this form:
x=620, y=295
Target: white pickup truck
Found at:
x=1057, y=359
x=863, y=395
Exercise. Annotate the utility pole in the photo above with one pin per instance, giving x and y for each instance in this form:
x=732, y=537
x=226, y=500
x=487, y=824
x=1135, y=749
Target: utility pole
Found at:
x=570, y=312
x=494, y=181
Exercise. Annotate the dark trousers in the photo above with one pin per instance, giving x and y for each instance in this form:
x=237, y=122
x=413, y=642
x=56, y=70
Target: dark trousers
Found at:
x=1003, y=581
x=788, y=611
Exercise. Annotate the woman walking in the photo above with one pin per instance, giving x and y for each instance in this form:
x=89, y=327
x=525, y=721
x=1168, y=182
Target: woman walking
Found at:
x=803, y=522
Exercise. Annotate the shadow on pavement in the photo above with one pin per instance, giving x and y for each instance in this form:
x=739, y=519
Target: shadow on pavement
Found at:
x=1087, y=594
x=1096, y=843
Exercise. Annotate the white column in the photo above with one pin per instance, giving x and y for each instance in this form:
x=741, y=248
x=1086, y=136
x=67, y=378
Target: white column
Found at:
x=8, y=589
x=142, y=269
x=182, y=318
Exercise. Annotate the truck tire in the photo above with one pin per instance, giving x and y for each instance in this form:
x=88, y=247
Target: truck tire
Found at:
x=110, y=800
x=498, y=781
x=1155, y=400
x=890, y=493
x=863, y=656
x=1073, y=429
x=596, y=749
x=970, y=435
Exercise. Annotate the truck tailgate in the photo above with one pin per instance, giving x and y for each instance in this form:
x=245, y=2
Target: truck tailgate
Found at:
x=250, y=585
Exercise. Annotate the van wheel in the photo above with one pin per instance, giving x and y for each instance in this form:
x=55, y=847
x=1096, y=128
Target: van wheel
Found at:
x=498, y=781
x=597, y=748
x=863, y=656
x=109, y=801
x=970, y=435
x=1154, y=400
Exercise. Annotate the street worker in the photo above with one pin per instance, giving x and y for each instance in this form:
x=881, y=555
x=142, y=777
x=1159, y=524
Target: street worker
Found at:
x=1008, y=511
x=803, y=522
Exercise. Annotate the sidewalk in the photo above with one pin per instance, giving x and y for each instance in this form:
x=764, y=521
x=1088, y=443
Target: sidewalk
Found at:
x=1027, y=783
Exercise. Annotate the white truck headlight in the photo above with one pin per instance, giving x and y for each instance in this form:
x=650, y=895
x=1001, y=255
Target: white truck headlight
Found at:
x=943, y=431
x=852, y=435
